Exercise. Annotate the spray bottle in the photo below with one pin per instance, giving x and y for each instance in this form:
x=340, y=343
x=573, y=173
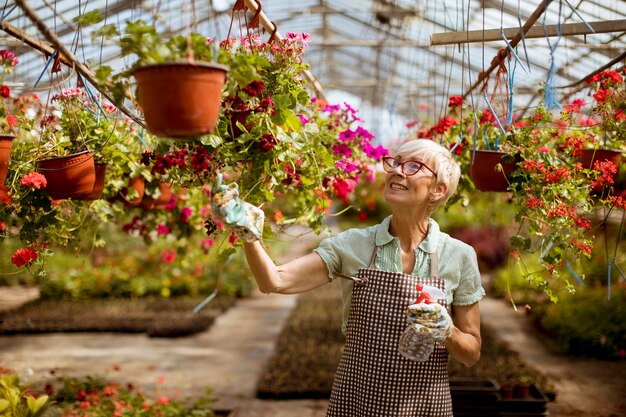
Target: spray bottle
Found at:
x=414, y=345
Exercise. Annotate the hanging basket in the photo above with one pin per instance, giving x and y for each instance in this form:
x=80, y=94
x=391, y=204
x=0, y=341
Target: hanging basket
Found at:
x=151, y=203
x=139, y=185
x=485, y=173
x=180, y=100
x=590, y=156
x=6, y=143
x=98, y=186
x=71, y=176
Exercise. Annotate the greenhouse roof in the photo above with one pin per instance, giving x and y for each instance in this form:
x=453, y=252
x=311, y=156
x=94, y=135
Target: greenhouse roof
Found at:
x=380, y=51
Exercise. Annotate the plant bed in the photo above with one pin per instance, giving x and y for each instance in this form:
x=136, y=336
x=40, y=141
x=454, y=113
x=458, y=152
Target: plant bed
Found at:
x=158, y=317
x=308, y=349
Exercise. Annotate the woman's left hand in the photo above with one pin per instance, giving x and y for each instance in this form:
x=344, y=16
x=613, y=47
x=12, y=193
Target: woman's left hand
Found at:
x=431, y=320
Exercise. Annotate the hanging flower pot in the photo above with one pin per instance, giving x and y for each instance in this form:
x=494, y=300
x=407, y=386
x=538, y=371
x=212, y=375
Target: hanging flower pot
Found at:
x=98, y=187
x=180, y=100
x=590, y=156
x=70, y=176
x=6, y=142
x=137, y=184
x=489, y=172
x=151, y=203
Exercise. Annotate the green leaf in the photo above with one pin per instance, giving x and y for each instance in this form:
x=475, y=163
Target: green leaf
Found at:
x=35, y=405
x=520, y=242
x=4, y=404
x=89, y=18
x=224, y=254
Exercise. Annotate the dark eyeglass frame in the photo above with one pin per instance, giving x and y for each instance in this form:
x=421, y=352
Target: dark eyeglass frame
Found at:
x=401, y=165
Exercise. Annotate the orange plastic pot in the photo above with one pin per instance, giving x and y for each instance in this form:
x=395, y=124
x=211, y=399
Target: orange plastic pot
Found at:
x=590, y=156
x=180, y=100
x=150, y=203
x=139, y=185
x=98, y=186
x=485, y=173
x=71, y=176
x=6, y=143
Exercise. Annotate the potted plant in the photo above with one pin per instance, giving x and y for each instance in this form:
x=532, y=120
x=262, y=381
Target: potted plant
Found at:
x=605, y=120
x=63, y=155
x=179, y=81
x=8, y=60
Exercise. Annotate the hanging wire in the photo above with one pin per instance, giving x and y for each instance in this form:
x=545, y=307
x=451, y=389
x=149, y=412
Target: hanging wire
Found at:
x=550, y=98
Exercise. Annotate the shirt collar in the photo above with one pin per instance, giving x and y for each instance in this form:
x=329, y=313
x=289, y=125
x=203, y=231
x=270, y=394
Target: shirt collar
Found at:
x=428, y=245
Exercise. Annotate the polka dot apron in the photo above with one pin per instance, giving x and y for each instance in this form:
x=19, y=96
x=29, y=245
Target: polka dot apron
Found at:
x=373, y=379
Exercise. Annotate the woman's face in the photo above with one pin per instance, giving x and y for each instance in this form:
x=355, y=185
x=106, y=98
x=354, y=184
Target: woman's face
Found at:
x=411, y=191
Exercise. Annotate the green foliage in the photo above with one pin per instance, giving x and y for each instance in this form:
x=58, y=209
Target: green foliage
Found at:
x=17, y=400
x=587, y=323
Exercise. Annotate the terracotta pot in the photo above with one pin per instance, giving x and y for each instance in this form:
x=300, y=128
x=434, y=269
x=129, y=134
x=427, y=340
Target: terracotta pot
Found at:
x=139, y=185
x=6, y=142
x=180, y=99
x=590, y=156
x=150, y=203
x=98, y=186
x=70, y=176
x=484, y=172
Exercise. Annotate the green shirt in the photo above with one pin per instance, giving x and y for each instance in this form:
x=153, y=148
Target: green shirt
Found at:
x=352, y=249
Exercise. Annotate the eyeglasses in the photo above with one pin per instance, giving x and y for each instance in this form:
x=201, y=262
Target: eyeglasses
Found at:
x=408, y=168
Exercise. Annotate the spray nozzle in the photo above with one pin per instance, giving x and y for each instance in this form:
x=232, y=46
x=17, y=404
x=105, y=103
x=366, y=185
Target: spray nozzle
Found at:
x=429, y=294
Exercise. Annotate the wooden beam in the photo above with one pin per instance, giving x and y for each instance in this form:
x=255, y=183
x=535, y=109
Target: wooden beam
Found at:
x=491, y=35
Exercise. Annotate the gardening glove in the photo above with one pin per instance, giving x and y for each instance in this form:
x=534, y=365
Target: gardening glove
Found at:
x=243, y=218
x=431, y=320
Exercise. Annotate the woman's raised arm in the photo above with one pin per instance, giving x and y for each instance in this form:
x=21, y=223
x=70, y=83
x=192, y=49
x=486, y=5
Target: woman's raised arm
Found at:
x=297, y=276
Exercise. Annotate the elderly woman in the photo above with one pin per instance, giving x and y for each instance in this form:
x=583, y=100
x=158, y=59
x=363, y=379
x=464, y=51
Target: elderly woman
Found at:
x=380, y=268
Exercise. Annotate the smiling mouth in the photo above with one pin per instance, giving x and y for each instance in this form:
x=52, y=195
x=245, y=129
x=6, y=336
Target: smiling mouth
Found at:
x=395, y=186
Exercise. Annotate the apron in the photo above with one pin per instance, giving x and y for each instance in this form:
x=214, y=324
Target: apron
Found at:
x=373, y=379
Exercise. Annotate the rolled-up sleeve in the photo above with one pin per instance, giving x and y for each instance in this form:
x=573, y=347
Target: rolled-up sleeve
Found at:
x=470, y=289
x=329, y=251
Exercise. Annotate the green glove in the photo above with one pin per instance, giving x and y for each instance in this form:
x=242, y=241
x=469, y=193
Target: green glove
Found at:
x=243, y=218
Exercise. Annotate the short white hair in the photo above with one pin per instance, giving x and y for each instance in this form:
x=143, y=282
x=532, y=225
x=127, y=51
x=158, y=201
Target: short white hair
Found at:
x=437, y=158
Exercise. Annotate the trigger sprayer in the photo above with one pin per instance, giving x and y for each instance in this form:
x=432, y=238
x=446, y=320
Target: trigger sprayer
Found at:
x=415, y=345
x=429, y=294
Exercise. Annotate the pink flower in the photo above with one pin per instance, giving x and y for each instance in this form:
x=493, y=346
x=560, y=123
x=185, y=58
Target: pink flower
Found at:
x=185, y=214
x=544, y=149
x=34, y=180
x=11, y=120
x=168, y=255
x=8, y=58
x=162, y=229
